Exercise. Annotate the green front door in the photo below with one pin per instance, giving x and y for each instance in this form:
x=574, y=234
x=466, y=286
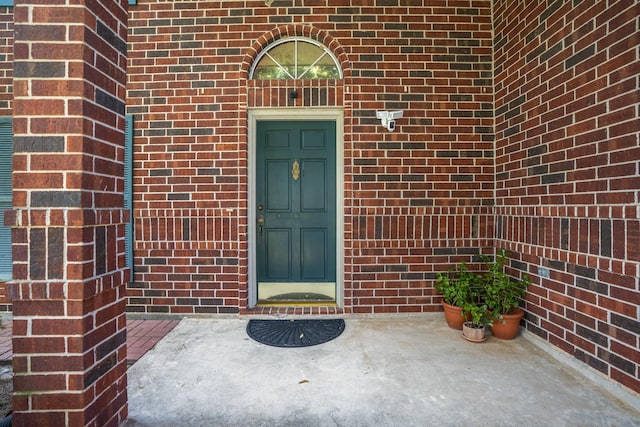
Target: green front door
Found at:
x=296, y=211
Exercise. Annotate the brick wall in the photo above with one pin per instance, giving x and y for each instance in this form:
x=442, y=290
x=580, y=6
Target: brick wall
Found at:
x=68, y=293
x=6, y=60
x=421, y=198
x=568, y=174
x=415, y=201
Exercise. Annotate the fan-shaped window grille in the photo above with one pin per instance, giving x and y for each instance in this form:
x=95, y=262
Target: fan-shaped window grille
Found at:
x=296, y=58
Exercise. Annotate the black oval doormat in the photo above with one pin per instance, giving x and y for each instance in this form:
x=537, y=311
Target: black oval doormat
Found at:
x=294, y=332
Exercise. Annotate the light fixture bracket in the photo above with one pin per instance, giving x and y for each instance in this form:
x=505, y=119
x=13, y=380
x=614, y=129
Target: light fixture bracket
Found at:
x=388, y=119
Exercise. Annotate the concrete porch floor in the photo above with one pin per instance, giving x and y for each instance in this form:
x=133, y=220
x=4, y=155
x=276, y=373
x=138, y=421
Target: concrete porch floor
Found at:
x=382, y=371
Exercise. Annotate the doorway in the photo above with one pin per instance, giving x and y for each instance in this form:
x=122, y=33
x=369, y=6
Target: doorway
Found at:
x=295, y=211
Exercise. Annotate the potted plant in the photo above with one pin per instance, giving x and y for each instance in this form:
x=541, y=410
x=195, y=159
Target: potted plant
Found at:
x=502, y=295
x=455, y=286
x=474, y=329
x=479, y=317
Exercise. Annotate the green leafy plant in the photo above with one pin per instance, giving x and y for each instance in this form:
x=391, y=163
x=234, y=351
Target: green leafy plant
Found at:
x=478, y=313
x=455, y=285
x=476, y=306
x=502, y=294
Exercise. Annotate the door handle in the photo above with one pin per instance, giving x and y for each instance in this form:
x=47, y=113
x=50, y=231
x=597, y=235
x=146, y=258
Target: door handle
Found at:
x=260, y=221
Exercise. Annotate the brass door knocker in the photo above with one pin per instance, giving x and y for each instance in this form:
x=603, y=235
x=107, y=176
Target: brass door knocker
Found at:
x=295, y=170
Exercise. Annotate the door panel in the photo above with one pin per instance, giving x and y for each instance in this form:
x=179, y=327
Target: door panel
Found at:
x=313, y=194
x=313, y=139
x=314, y=263
x=296, y=210
x=278, y=254
x=277, y=186
x=277, y=139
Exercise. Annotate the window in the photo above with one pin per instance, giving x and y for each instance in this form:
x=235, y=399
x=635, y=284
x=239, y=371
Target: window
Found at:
x=6, y=151
x=295, y=58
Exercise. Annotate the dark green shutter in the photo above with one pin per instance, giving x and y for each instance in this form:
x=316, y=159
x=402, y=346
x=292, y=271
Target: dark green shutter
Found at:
x=6, y=151
x=128, y=190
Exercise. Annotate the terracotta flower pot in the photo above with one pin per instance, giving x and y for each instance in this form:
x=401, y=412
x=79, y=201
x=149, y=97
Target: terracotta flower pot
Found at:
x=453, y=316
x=473, y=334
x=507, y=328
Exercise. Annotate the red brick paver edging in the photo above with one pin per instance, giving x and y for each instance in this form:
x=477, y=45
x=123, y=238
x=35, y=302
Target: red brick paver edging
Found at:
x=142, y=336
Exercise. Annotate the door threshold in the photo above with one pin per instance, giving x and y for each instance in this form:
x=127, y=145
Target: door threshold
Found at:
x=296, y=304
x=289, y=310
x=296, y=292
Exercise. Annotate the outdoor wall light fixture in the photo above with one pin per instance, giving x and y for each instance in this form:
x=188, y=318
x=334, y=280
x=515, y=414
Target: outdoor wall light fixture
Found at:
x=388, y=118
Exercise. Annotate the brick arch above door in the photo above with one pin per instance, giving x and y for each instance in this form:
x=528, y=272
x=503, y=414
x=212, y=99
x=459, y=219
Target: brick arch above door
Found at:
x=296, y=93
x=294, y=30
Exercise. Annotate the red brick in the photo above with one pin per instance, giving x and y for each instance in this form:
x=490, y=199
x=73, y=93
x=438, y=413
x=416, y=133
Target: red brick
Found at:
x=60, y=401
x=22, y=345
x=626, y=380
x=581, y=343
x=38, y=308
x=625, y=308
x=627, y=352
x=35, y=383
x=60, y=326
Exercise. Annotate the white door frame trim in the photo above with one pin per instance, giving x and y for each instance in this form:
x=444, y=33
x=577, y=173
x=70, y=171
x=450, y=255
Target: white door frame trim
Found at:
x=292, y=114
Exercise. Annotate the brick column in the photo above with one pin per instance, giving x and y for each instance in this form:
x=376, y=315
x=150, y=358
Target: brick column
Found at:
x=68, y=238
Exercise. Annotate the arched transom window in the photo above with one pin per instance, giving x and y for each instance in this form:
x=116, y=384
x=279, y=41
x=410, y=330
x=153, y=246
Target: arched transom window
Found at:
x=295, y=58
